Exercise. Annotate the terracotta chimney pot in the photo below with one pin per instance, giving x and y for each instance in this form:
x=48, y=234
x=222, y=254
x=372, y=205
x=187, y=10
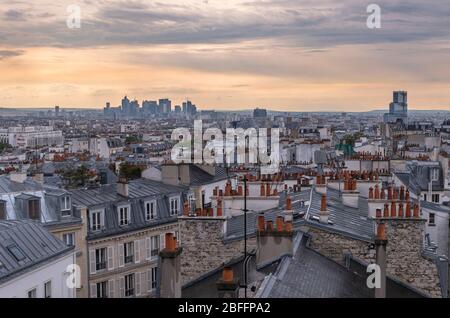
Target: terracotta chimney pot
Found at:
x=227, y=274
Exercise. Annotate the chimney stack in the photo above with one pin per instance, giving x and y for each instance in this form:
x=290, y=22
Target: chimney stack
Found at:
x=227, y=285
x=273, y=243
x=381, y=260
x=170, y=265
x=288, y=213
x=323, y=214
x=123, y=187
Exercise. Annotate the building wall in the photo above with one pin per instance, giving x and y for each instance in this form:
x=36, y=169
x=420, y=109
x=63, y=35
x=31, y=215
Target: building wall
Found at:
x=404, y=249
x=204, y=249
x=54, y=271
x=80, y=250
x=116, y=269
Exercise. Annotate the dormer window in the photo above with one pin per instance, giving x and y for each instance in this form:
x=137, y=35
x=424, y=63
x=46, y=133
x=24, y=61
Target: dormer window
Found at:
x=174, y=206
x=434, y=175
x=124, y=215
x=34, y=208
x=66, y=206
x=97, y=220
x=150, y=210
x=2, y=210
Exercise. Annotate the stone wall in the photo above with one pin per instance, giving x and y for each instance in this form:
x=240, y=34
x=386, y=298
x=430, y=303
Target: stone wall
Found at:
x=404, y=259
x=203, y=247
x=404, y=248
x=334, y=246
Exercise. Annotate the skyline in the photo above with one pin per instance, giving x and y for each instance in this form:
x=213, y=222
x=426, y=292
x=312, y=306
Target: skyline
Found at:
x=280, y=55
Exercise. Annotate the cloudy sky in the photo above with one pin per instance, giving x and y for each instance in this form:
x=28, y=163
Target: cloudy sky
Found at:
x=293, y=55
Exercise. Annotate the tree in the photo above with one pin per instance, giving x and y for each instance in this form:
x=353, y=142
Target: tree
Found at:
x=74, y=178
x=130, y=171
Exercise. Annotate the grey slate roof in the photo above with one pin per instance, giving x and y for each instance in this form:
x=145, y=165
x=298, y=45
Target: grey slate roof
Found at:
x=106, y=198
x=311, y=275
x=352, y=221
x=200, y=177
x=15, y=193
x=418, y=178
x=33, y=241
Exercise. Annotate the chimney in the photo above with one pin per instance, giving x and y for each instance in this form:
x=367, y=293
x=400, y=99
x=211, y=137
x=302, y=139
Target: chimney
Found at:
x=272, y=244
x=350, y=196
x=122, y=187
x=321, y=186
x=170, y=265
x=219, y=212
x=227, y=285
x=263, y=190
x=323, y=215
x=381, y=260
x=289, y=213
x=19, y=177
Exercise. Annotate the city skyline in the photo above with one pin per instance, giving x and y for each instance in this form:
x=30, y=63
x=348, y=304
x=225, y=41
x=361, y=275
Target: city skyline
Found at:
x=280, y=55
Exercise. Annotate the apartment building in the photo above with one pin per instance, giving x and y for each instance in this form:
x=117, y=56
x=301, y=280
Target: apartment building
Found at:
x=22, y=198
x=127, y=223
x=32, y=136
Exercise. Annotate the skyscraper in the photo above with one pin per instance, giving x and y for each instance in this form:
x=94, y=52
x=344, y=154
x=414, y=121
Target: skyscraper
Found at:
x=398, y=109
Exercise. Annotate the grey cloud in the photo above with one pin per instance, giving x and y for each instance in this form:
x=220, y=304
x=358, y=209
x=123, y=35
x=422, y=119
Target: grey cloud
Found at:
x=9, y=53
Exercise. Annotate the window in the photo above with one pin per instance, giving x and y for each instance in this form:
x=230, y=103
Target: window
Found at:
x=65, y=205
x=124, y=217
x=16, y=252
x=100, y=259
x=431, y=219
x=154, y=246
x=34, y=209
x=425, y=197
x=129, y=285
x=434, y=175
x=69, y=239
x=128, y=252
x=2, y=210
x=32, y=293
x=150, y=210
x=154, y=277
x=96, y=220
x=48, y=289
x=435, y=198
x=101, y=290
x=174, y=206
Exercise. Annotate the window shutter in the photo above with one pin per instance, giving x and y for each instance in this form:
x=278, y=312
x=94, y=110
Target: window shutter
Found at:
x=138, y=284
x=102, y=219
x=149, y=280
x=121, y=255
x=162, y=241
x=110, y=258
x=148, y=248
x=137, y=251
x=122, y=286
x=92, y=261
x=111, y=288
x=93, y=290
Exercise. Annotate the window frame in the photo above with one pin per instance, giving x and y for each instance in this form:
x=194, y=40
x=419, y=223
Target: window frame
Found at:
x=130, y=279
x=34, y=208
x=66, y=235
x=101, y=259
x=3, y=212
x=104, y=293
x=98, y=227
x=124, y=218
x=128, y=252
x=48, y=293
x=175, y=209
x=154, y=277
x=32, y=290
x=66, y=209
x=154, y=246
x=150, y=214
x=431, y=219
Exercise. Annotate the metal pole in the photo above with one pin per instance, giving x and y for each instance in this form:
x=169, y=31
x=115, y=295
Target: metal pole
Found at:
x=245, y=235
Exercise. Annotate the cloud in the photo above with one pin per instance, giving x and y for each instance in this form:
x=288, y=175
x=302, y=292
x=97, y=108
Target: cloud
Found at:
x=10, y=53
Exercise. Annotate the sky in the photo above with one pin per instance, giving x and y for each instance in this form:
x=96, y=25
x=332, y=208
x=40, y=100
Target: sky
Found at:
x=290, y=55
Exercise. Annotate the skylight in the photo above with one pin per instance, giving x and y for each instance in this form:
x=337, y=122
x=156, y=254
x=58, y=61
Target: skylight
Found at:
x=16, y=252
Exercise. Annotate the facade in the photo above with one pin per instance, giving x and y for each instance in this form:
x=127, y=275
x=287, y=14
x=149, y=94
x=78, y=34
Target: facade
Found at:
x=33, y=263
x=126, y=226
x=32, y=136
x=24, y=199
